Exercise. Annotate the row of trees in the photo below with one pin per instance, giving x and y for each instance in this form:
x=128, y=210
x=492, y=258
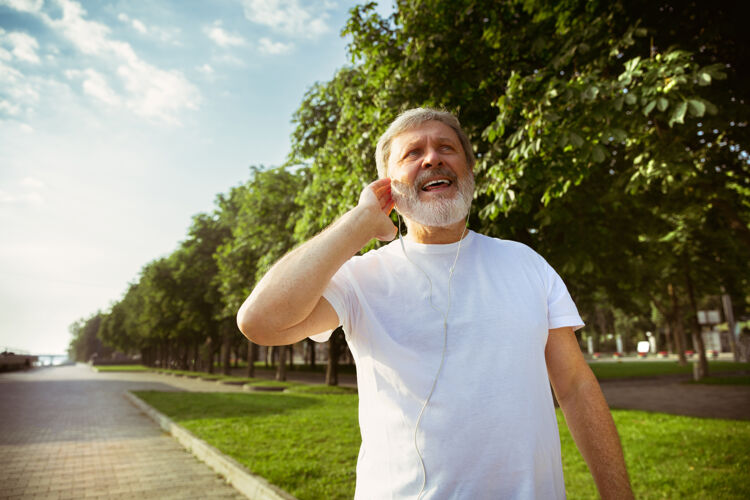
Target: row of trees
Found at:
x=611, y=137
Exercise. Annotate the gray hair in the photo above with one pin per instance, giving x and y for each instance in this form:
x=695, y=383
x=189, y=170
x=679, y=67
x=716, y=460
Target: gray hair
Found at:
x=414, y=118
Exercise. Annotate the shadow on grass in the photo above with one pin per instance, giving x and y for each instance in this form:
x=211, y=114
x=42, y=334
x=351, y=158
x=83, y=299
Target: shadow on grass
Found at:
x=210, y=405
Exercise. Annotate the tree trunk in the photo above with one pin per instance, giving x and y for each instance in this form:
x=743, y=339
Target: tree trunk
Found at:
x=291, y=357
x=675, y=319
x=252, y=353
x=311, y=352
x=334, y=350
x=226, y=352
x=196, y=356
x=281, y=363
x=146, y=356
x=185, y=353
x=164, y=358
x=696, y=327
x=668, y=337
x=209, y=356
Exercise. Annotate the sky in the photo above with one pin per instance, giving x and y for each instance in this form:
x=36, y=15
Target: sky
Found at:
x=120, y=120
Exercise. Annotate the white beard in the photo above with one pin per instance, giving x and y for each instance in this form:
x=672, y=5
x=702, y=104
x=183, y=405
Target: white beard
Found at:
x=444, y=210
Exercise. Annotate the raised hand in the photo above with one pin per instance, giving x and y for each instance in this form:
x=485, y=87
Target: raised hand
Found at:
x=376, y=203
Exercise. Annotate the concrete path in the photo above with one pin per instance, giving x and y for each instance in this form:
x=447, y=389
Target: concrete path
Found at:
x=672, y=395
x=667, y=394
x=66, y=432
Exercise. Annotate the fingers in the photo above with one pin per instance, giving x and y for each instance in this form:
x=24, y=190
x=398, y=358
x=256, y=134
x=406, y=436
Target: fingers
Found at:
x=389, y=207
x=382, y=190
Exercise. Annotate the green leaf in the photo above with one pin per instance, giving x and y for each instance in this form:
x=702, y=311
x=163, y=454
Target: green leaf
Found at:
x=598, y=153
x=630, y=98
x=576, y=140
x=590, y=93
x=696, y=107
x=704, y=79
x=662, y=103
x=678, y=115
x=632, y=64
x=649, y=107
x=617, y=103
x=619, y=134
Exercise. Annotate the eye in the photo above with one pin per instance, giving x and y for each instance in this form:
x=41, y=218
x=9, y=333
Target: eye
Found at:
x=446, y=147
x=412, y=154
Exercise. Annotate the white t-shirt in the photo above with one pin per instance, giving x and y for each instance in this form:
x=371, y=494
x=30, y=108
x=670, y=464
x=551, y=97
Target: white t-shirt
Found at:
x=489, y=430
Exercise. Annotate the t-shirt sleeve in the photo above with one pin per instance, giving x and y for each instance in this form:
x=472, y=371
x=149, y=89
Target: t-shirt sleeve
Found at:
x=561, y=310
x=338, y=293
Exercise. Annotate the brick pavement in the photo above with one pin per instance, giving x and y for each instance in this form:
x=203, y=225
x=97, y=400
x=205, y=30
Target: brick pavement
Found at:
x=66, y=432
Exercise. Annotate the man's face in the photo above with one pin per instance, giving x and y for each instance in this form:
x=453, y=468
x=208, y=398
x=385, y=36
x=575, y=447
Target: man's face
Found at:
x=430, y=180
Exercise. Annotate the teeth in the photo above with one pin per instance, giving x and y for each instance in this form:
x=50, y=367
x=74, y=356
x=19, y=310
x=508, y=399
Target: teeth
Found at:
x=435, y=183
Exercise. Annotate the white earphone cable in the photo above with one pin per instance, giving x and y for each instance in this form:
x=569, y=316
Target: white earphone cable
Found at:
x=445, y=341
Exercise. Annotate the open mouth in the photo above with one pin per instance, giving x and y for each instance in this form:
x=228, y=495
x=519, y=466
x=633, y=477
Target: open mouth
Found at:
x=436, y=184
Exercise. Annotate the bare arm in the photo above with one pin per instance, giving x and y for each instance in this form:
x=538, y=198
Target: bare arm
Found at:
x=587, y=414
x=287, y=305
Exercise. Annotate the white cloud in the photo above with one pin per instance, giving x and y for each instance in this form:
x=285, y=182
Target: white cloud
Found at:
x=23, y=5
x=159, y=94
x=31, y=182
x=206, y=69
x=150, y=91
x=26, y=128
x=16, y=91
x=229, y=60
x=24, y=46
x=139, y=26
x=21, y=198
x=135, y=23
x=221, y=37
x=27, y=191
x=289, y=16
x=267, y=46
x=21, y=45
x=95, y=84
x=8, y=108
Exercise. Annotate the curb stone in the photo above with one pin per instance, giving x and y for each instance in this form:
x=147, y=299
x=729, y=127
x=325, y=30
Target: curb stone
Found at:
x=252, y=486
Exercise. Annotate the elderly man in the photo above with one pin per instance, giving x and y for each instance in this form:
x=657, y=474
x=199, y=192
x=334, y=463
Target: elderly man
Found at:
x=456, y=335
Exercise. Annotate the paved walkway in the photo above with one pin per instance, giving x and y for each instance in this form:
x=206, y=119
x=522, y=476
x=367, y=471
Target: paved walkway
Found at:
x=668, y=394
x=672, y=395
x=66, y=432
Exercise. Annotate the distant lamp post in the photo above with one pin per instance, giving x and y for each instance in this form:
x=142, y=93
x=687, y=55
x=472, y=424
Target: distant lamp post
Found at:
x=652, y=341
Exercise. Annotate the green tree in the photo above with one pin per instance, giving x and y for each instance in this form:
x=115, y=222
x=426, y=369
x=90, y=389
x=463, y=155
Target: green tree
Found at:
x=85, y=344
x=261, y=214
x=607, y=133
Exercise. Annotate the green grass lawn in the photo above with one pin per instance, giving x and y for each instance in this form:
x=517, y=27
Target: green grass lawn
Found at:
x=307, y=444
x=122, y=368
x=642, y=368
x=602, y=369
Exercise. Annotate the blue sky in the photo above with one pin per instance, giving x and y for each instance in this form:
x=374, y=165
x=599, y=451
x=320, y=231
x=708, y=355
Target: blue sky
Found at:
x=121, y=120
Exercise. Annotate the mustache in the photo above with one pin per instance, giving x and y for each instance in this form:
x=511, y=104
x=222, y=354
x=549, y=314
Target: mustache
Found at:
x=422, y=178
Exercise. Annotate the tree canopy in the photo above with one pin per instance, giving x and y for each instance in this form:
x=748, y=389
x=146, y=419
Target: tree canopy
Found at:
x=611, y=136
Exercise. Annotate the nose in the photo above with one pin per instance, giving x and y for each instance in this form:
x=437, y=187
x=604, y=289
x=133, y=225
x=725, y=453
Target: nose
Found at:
x=431, y=158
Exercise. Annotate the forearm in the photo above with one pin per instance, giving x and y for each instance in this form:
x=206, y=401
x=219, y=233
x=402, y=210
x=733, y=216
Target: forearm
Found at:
x=591, y=425
x=289, y=292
